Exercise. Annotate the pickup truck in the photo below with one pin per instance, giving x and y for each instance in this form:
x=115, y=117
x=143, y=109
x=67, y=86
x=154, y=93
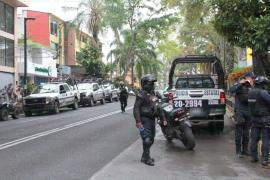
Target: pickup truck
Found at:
x=50, y=98
x=90, y=93
x=111, y=92
x=202, y=93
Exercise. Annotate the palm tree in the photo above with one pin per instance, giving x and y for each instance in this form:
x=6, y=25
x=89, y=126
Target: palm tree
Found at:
x=143, y=54
x=89, y=16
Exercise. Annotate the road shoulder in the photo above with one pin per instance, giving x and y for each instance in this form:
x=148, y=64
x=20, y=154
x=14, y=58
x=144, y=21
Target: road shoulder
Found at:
x=213, y=159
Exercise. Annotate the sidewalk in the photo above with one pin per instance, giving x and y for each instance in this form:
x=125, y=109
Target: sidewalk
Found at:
x=213, y=158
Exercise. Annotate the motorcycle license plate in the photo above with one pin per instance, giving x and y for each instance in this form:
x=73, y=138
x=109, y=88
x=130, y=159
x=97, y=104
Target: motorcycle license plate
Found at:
x=187, y=103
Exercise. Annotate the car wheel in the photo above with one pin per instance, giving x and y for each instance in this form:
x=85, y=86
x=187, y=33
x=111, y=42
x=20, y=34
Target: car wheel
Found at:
x=110, y=99
x=56, y=108
x=27, y=113
x=15, y=114
x=102, y=101
x=91, y=102
x=3, y=114
x=75, y=104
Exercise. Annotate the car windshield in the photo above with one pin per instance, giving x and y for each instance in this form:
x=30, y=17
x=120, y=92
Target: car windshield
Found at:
x=84, y=86
x=46, y=88
x=194, y=82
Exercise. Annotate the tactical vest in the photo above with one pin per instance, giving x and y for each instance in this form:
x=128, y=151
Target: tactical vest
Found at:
x=256, y=104
x=123, y=92
x=242, y=95
x=150, y=106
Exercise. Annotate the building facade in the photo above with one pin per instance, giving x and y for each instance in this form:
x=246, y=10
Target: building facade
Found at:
x=64, y=40
x=8, y=41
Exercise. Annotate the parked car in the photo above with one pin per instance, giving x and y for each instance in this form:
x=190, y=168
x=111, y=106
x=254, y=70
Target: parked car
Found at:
x=90, y=93
x=111, y=93
x=50, y=98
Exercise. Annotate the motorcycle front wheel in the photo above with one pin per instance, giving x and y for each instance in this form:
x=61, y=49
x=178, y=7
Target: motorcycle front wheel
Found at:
x=188, y=138
x=168, y=138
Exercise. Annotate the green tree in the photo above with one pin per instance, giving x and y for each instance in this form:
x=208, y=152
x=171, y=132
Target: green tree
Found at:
x=196, y=32
x=246, y=24
x=88, y=57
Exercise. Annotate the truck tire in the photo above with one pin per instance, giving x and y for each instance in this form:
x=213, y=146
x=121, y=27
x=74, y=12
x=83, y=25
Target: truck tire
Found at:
x=110, y=98
x=103, y=101
x=3, y=114
x=15, y=114
x=56, y=108
x=75, y=104
x=91, y=102
x=188, y=138
x=27, y=113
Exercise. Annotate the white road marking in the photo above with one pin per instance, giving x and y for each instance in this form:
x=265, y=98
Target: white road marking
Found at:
x=52, y=131
x=59, y=115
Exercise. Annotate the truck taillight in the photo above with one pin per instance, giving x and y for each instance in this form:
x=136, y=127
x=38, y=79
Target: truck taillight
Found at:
x=222, y=98
x=170, y=97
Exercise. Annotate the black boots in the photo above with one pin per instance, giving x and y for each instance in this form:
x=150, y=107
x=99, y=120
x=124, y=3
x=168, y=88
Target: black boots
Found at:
x=146, y=159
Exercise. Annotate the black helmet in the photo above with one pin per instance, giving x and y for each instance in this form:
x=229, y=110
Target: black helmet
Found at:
x=260, y=80
x=147, y=82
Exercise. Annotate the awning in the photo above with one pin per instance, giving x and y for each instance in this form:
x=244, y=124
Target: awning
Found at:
x=15, y=3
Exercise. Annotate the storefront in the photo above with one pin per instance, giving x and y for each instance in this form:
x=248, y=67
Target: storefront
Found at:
x=41, y=66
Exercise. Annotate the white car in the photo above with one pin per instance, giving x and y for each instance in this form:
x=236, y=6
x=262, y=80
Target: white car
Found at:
x=50, y=97
x=90, y=93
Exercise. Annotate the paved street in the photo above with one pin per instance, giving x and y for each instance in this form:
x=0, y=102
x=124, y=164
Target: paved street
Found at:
x=70, y=145
x=101, y=143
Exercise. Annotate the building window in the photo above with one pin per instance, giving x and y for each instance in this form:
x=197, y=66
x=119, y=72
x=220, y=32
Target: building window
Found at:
x=2, y=17
x=2, y=51
x=9, y=53
x=6, y=52
x=6, y=18
x=54, y=28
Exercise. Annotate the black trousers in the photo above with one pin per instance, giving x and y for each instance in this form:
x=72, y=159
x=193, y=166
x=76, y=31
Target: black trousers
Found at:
x=123, y=103
x=242, y=129
x=258, y=133
x=148, y=134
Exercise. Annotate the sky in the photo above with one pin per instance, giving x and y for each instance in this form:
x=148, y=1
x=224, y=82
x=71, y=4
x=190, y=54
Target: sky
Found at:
x=55, y=7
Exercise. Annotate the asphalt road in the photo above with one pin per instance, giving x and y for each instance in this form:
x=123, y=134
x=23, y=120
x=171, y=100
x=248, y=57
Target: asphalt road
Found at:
x=101, y=143
x=70, y=145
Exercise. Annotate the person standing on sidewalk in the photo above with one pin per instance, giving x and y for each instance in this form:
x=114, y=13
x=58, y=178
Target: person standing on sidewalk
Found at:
x=146, y=109
x=123, y=96
x=259, y=105
x=242, y=115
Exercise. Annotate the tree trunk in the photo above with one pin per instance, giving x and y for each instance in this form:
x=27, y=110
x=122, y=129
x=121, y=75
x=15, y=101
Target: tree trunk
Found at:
x=260, y=64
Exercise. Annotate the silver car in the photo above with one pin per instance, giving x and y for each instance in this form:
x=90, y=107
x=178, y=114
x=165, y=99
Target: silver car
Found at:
x=111, y=93
x=90, y=93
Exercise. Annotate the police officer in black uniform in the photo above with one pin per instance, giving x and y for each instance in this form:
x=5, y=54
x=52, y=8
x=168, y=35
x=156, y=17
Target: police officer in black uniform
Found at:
x=146, y=109
x=123, y=96
x=242, y=115
x=259, y=105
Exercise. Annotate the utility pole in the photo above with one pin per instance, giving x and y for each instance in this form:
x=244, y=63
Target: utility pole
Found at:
x=25, y=54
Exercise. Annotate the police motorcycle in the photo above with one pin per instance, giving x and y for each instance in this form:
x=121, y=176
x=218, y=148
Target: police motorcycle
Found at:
x=7, y=107
x=178, y=125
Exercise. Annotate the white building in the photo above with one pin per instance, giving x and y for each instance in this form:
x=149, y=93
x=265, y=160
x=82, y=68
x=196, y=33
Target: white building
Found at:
x=8, y=41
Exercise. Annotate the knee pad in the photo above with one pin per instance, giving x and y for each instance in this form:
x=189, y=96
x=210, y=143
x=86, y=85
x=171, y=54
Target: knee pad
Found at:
x=148, y=141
